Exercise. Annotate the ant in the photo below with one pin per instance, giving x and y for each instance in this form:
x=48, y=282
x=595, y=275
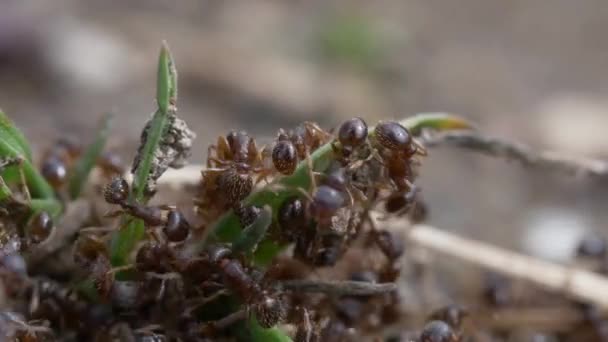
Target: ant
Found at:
x=61, y=157
x=452, y=314
x=297, y=145
x=175, y=226
x=438, y=331
x=268, y=309
x=396, y=147
x=228, y=177
x=321, y=245
x=39, y=227
x=352, y=134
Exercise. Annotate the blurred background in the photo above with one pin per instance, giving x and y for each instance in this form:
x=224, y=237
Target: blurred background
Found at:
x=535, y=72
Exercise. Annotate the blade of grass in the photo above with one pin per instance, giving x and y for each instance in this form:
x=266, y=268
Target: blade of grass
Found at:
x=252, y=235
x=13, y=136
x=227, y=228
x=86, y=163
x=13, y=145
x=166, y=84
x=255, y=333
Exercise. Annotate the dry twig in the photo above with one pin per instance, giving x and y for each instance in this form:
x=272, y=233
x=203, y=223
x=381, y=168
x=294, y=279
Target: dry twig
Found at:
x=574, y=282
x=528, y=157
x=338, y=288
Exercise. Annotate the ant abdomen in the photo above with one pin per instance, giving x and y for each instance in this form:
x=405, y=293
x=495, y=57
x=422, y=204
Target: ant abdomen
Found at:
x=54, y=170
x=285, y=157
x=352, y=133
x=39, y=228
x=326, y=201
x=237, y=186
x=176, y=228
x=270, y=311
x=393, y=136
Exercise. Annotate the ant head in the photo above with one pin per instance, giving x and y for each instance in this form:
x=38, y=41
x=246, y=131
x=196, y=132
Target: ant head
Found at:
x=117, y=191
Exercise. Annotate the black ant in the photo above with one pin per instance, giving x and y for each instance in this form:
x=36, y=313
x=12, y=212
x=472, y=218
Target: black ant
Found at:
x=175, y=226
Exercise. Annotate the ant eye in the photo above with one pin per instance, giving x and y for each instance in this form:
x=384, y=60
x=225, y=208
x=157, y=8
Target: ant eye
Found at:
x=117, y=191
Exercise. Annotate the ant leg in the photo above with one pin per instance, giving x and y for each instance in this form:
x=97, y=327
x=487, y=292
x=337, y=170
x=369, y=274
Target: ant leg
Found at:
x=167, y=207
x=420, y=149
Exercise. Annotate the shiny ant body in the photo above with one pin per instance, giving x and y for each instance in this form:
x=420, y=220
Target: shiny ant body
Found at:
x=396, y=147
x=175, y=226
x=268, y=309
x=297, y=145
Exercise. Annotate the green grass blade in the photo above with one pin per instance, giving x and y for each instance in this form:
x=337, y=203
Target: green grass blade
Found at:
x=133, y=231
x=227, y=228
x=13, y=145
x=86, y=163
x=255, y=333
x=38, y=186
x=11, y=135
x=252, y=235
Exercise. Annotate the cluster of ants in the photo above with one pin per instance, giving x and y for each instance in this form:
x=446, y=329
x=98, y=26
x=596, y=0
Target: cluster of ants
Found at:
x=172, y=291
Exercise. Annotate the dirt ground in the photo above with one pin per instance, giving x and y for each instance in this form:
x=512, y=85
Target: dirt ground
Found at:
x=532, y=71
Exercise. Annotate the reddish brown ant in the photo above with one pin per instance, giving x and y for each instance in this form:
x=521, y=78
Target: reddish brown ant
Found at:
x=396, y=147
x=269, y=310
x=39, y=227
x=61, y=157
x=297, y=145
x=352, y=135
x=175, y=226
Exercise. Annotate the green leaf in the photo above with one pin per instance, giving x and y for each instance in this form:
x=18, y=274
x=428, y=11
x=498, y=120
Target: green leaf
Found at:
x=164, y=81
x=166, y=86
x=86, y=163
x=124, y=240
x=253, y=332
x=11, y=135
x=227, y=228
x=254, y=233
x=13, y=145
